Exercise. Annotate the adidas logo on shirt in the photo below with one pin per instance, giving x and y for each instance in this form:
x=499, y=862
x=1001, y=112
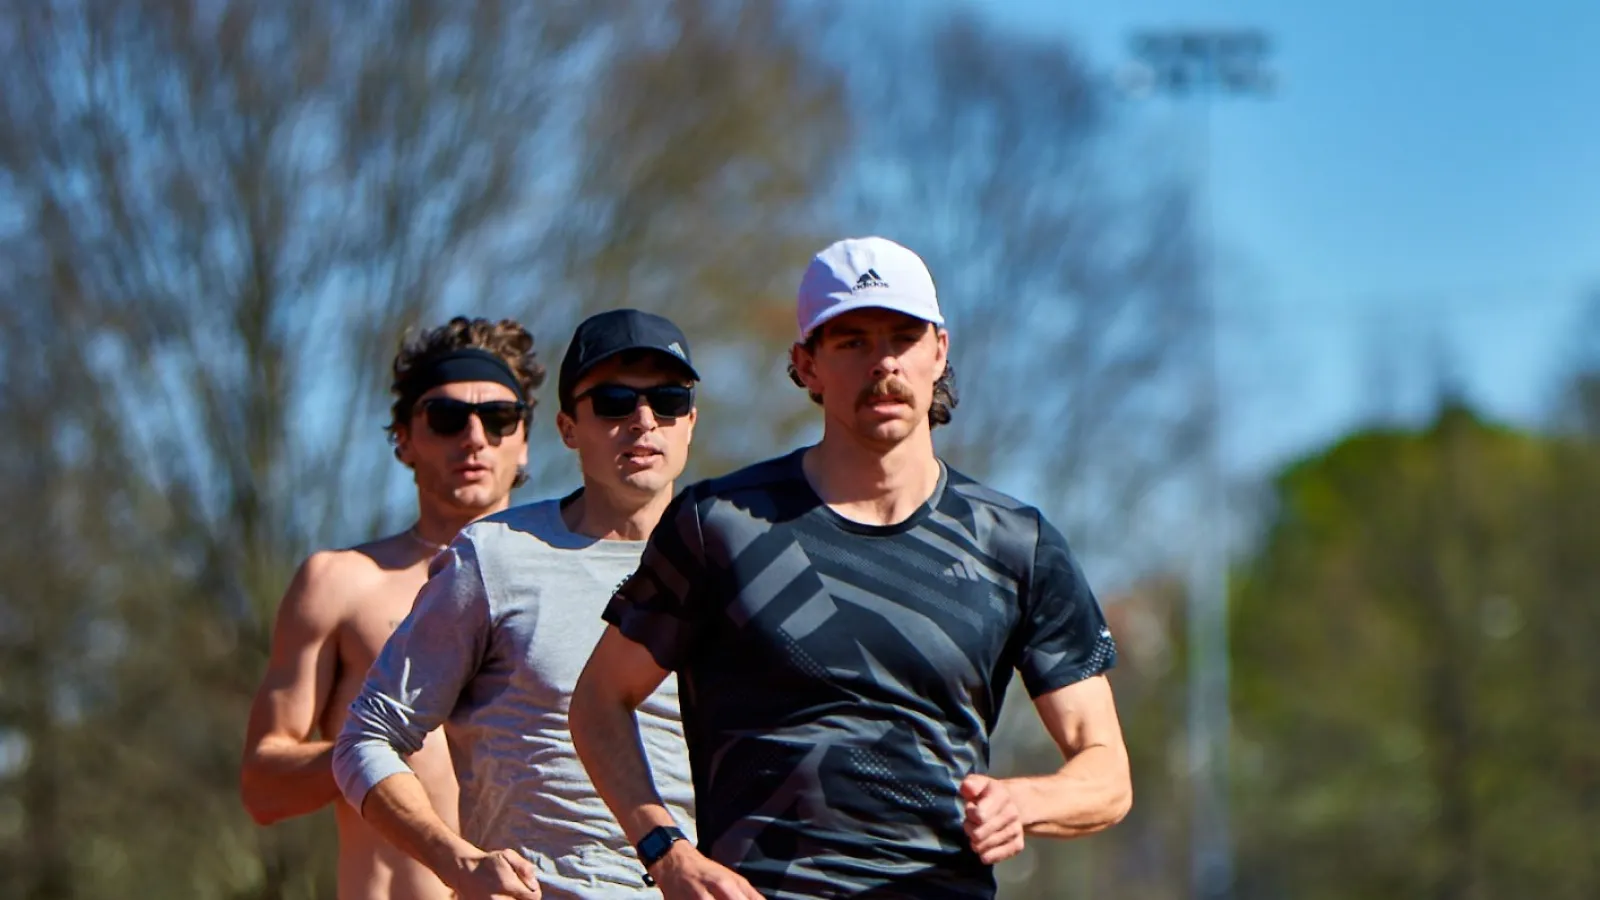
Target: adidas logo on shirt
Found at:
x=960, y=571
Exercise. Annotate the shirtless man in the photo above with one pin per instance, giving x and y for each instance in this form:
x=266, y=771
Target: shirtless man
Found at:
x=463, y=402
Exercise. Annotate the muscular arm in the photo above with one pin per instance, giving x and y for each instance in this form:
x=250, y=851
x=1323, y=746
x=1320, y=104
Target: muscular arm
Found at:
x=1093, y=790
x=619, y=676
x=284, y=772
x=652, y=622
x=1066, y=651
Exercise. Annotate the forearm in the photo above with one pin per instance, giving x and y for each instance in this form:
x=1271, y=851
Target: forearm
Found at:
x=398, y=808
x=280, y=780
x=1092, y=792
x=377, y=737
x=605, y=734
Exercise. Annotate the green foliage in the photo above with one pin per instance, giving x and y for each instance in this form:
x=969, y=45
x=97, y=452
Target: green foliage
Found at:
x=1411, y=666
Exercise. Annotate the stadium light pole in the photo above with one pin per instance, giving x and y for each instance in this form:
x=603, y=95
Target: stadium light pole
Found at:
x=1204, y=64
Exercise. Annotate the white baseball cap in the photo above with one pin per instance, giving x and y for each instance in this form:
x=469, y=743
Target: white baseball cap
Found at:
x=865, y=273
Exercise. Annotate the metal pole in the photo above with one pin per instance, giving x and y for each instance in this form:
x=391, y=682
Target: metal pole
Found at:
x=1207, y=63
x=1210, y=720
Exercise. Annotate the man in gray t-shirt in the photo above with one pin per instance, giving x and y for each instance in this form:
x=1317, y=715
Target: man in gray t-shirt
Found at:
x=497, y=638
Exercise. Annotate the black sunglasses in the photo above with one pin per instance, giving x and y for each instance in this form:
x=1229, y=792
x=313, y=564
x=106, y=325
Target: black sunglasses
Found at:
x=448, y=417
x=618, y=401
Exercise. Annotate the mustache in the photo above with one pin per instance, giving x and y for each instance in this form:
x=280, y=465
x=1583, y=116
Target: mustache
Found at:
x=888, y=388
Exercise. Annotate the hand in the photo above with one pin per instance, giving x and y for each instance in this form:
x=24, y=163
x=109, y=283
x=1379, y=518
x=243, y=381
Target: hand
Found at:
x=994, y=823
x=686, y=874
x=501, y=875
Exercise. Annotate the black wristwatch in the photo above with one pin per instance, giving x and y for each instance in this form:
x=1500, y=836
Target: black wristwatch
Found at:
x=655, y=845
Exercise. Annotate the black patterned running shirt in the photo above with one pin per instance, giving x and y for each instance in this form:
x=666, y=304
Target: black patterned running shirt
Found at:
x=839, y=680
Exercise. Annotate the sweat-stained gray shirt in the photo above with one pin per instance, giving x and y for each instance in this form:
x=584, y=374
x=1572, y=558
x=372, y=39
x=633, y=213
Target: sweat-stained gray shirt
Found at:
x=492, y=650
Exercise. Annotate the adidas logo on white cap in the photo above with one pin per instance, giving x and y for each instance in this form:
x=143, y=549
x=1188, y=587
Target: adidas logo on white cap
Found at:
x=869, y=280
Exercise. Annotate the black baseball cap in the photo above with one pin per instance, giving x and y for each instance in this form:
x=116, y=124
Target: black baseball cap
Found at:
x=604, y=335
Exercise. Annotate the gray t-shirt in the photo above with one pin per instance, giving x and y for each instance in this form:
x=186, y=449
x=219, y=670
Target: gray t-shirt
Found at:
x=491, y=651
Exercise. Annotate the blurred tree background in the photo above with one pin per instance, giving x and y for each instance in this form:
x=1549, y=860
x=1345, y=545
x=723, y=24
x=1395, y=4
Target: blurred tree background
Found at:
x=217, y=219
x=1416, y=684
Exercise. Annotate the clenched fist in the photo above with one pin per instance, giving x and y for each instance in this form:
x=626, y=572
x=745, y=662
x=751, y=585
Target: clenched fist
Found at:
x=501, y=875
x=993, y=821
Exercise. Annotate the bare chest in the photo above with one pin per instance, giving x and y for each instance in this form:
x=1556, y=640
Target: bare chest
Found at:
x=373, y=617
x=373, y=621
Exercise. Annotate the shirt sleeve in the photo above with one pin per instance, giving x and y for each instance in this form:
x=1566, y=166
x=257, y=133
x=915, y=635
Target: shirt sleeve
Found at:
x=1064, y=636
x=414, y=684
x=661, y=606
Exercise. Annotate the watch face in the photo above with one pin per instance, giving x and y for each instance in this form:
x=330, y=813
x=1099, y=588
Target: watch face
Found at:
x=657, y=843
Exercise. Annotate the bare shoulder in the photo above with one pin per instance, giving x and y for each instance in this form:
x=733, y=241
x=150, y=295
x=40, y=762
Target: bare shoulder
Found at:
x=329, y=581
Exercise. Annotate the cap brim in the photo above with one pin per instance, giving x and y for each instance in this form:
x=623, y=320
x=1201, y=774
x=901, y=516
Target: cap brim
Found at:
x=854, y=304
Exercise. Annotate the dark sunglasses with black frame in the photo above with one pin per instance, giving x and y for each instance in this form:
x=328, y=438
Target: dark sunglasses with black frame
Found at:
x=448, y=417
x=619, y=401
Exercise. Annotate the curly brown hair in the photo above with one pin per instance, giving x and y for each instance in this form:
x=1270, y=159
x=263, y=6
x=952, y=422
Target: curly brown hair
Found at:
x=507, y=339
x=945, y=396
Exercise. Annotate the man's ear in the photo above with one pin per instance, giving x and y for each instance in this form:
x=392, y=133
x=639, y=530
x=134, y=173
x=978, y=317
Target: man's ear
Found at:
x=402, y=446
x=567, y=426
x=804, y=364
x=943, y=338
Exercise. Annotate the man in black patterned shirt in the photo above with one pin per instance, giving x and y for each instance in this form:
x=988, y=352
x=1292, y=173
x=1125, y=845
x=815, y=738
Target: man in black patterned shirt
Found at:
x=844, y=621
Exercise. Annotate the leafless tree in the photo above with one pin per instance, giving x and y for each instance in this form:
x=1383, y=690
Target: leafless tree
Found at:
x=1067, y=265
x=217, y=219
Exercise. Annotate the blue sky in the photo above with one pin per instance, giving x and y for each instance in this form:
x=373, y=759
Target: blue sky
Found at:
x=1427, y=176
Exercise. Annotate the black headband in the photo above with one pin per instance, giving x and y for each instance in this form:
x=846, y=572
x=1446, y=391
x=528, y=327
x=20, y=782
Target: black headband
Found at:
x=466, y=364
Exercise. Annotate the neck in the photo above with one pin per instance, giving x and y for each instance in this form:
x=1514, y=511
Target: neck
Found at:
x=874, y=484
x=613, y=516
x=438, y=524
